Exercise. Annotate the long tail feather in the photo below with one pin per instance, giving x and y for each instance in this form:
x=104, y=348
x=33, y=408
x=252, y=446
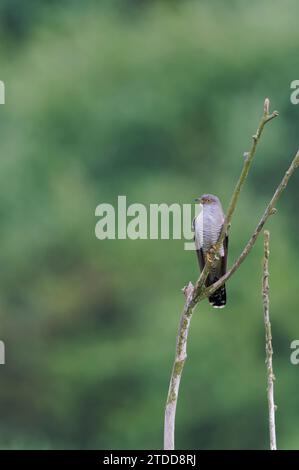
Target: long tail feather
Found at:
x=218, y=299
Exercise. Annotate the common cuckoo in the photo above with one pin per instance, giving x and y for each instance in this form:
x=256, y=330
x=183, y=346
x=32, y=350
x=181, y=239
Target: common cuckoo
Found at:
x=207, y=227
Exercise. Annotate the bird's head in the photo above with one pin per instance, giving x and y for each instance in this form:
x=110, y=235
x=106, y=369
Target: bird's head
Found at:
x=207, y=199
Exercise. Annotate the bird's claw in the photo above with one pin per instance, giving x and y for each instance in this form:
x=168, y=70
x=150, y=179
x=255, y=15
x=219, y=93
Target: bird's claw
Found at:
x=212, y=255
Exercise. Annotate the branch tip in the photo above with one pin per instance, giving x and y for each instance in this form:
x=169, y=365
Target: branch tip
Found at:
x=272, y=116
x=266, y=106
x=188, y=290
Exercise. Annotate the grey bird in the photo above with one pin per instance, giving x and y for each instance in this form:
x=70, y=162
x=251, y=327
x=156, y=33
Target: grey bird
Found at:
x=207, y=227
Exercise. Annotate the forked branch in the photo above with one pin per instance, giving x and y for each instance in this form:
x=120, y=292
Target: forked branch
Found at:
x=194, y=294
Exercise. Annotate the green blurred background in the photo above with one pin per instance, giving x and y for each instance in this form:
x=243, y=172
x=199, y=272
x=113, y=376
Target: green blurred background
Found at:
x=157, y=101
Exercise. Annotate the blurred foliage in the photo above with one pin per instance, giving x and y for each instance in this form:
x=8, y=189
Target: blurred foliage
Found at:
x=159, y=106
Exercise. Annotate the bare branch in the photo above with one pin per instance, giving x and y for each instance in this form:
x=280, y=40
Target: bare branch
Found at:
x=194, y=294
x=246, y=167
x=200, y=283
x=270, y=210
x=180, y=357
x=198, y=292
x=268, y=336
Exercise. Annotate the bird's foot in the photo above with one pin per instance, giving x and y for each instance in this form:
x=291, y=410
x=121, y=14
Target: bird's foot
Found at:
x=210, y=256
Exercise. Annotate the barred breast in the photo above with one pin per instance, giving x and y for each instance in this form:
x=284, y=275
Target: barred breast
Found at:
x=212, y=225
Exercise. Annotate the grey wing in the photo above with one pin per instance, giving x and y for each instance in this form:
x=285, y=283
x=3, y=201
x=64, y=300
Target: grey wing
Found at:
x=201, y=259
x=224, y=258
x=198, y=239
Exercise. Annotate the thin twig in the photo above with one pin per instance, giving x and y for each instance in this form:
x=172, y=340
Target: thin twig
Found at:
x=248, y=159
x=268, y=336
x=194, y=294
